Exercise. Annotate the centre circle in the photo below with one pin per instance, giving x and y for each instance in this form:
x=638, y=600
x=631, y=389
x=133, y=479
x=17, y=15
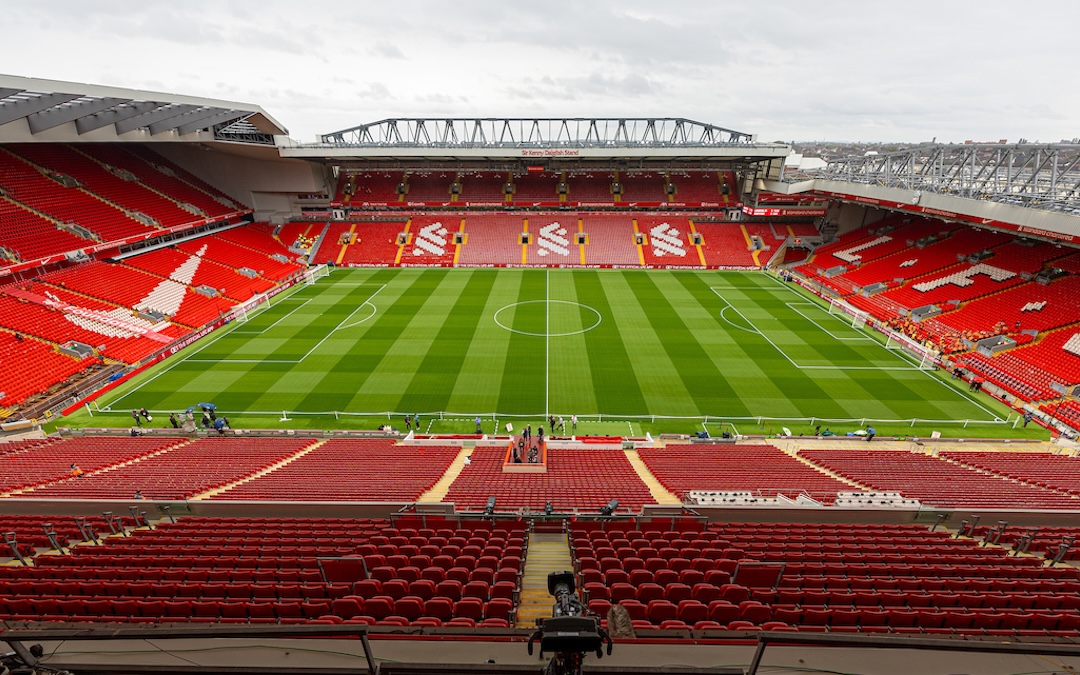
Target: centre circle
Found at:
x=545, y=311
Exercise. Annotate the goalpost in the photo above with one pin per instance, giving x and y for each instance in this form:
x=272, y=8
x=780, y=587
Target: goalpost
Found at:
x=317, y=272
x=858, y=316
x=899, y=342
x=240, y=312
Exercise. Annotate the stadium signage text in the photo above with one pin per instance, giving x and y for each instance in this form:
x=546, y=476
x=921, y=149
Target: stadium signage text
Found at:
x=551, y=152
x=774, y=212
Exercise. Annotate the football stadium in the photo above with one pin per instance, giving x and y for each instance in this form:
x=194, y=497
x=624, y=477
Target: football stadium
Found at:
x=512, y=395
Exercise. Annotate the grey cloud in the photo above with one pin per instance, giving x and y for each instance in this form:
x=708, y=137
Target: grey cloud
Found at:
x=386, y=51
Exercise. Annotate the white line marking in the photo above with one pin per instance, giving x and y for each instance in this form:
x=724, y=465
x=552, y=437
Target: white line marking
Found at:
x=260, y=332
x=547, y=342
x=500, y=324
x=856, y=338
x=792, y=361
x=341, y=326
x=903, y=356
x=218, y=334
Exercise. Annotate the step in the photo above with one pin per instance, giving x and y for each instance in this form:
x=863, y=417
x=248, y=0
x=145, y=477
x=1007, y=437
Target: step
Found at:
x=547, y=553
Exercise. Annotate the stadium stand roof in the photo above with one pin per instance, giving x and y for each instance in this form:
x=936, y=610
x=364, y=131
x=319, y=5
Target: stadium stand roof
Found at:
x=1030, y=188
x=578, y=138
x=48, y=110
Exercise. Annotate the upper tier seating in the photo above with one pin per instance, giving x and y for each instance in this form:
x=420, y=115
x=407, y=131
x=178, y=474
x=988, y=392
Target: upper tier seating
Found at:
x=130, y=195
x=360, y=470
x=575, y=479
x=1022, y=305
x=536, y=187
x=378, y=186
x=147, y=167
x=431, y=187
x=496, y=240
x=151, y=157
x=25, y=184
x=934, y=481
x=834, y=577
x=642, y=187
x=482, y=187
x=764, y=470
x=590, y=187
x=180, y=472
x=30, y=236
x=698, y=187
x=30, y=465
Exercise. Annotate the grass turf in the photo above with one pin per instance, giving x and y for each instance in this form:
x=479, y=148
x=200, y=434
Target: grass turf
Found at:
x=627, y=351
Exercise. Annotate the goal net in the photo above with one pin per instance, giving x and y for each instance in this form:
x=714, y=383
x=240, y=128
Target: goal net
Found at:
x=317, y=272
x=241, y=311
x=924, y=356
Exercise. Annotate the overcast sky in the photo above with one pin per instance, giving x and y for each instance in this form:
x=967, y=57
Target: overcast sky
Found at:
x=782, y=69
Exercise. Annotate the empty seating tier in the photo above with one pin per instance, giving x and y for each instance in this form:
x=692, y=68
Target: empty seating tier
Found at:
x=32, y=464
x=575, y=479
x=361, y=470
x=183, y=471
x=935, y=481
x=836, y=578
x=280, y=570
x=496, y=240
x=1057, y=472
x=764, y=470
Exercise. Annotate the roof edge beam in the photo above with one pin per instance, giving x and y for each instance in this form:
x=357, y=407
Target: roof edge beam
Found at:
x=159, y=114
x=54, y=117
x=13, y=110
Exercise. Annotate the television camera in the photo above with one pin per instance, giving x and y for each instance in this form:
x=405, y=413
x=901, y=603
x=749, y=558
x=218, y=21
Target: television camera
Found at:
x=568, y=633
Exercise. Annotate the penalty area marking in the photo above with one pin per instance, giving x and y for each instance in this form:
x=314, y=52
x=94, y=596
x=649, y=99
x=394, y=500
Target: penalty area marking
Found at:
x=785, y=355
x=264, y=330
x=547, y=303
x=341, y=326
x=900, y=354
x=794, y=306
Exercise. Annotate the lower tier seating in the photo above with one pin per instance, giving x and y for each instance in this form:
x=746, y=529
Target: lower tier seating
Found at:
x=935, y=481
x=764, y=470
x=357, y=470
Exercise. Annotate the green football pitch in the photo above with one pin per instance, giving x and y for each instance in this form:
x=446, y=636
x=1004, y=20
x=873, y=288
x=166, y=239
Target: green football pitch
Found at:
x=628, y=352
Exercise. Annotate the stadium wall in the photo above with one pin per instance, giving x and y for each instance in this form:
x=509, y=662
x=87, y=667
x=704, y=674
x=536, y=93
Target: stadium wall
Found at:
x=255, y=176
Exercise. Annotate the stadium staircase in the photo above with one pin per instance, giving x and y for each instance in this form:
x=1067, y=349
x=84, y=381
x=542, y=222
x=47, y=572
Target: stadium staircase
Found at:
x=246, y=479
x=659, y=493
x=548, y=552
x=438, y=491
